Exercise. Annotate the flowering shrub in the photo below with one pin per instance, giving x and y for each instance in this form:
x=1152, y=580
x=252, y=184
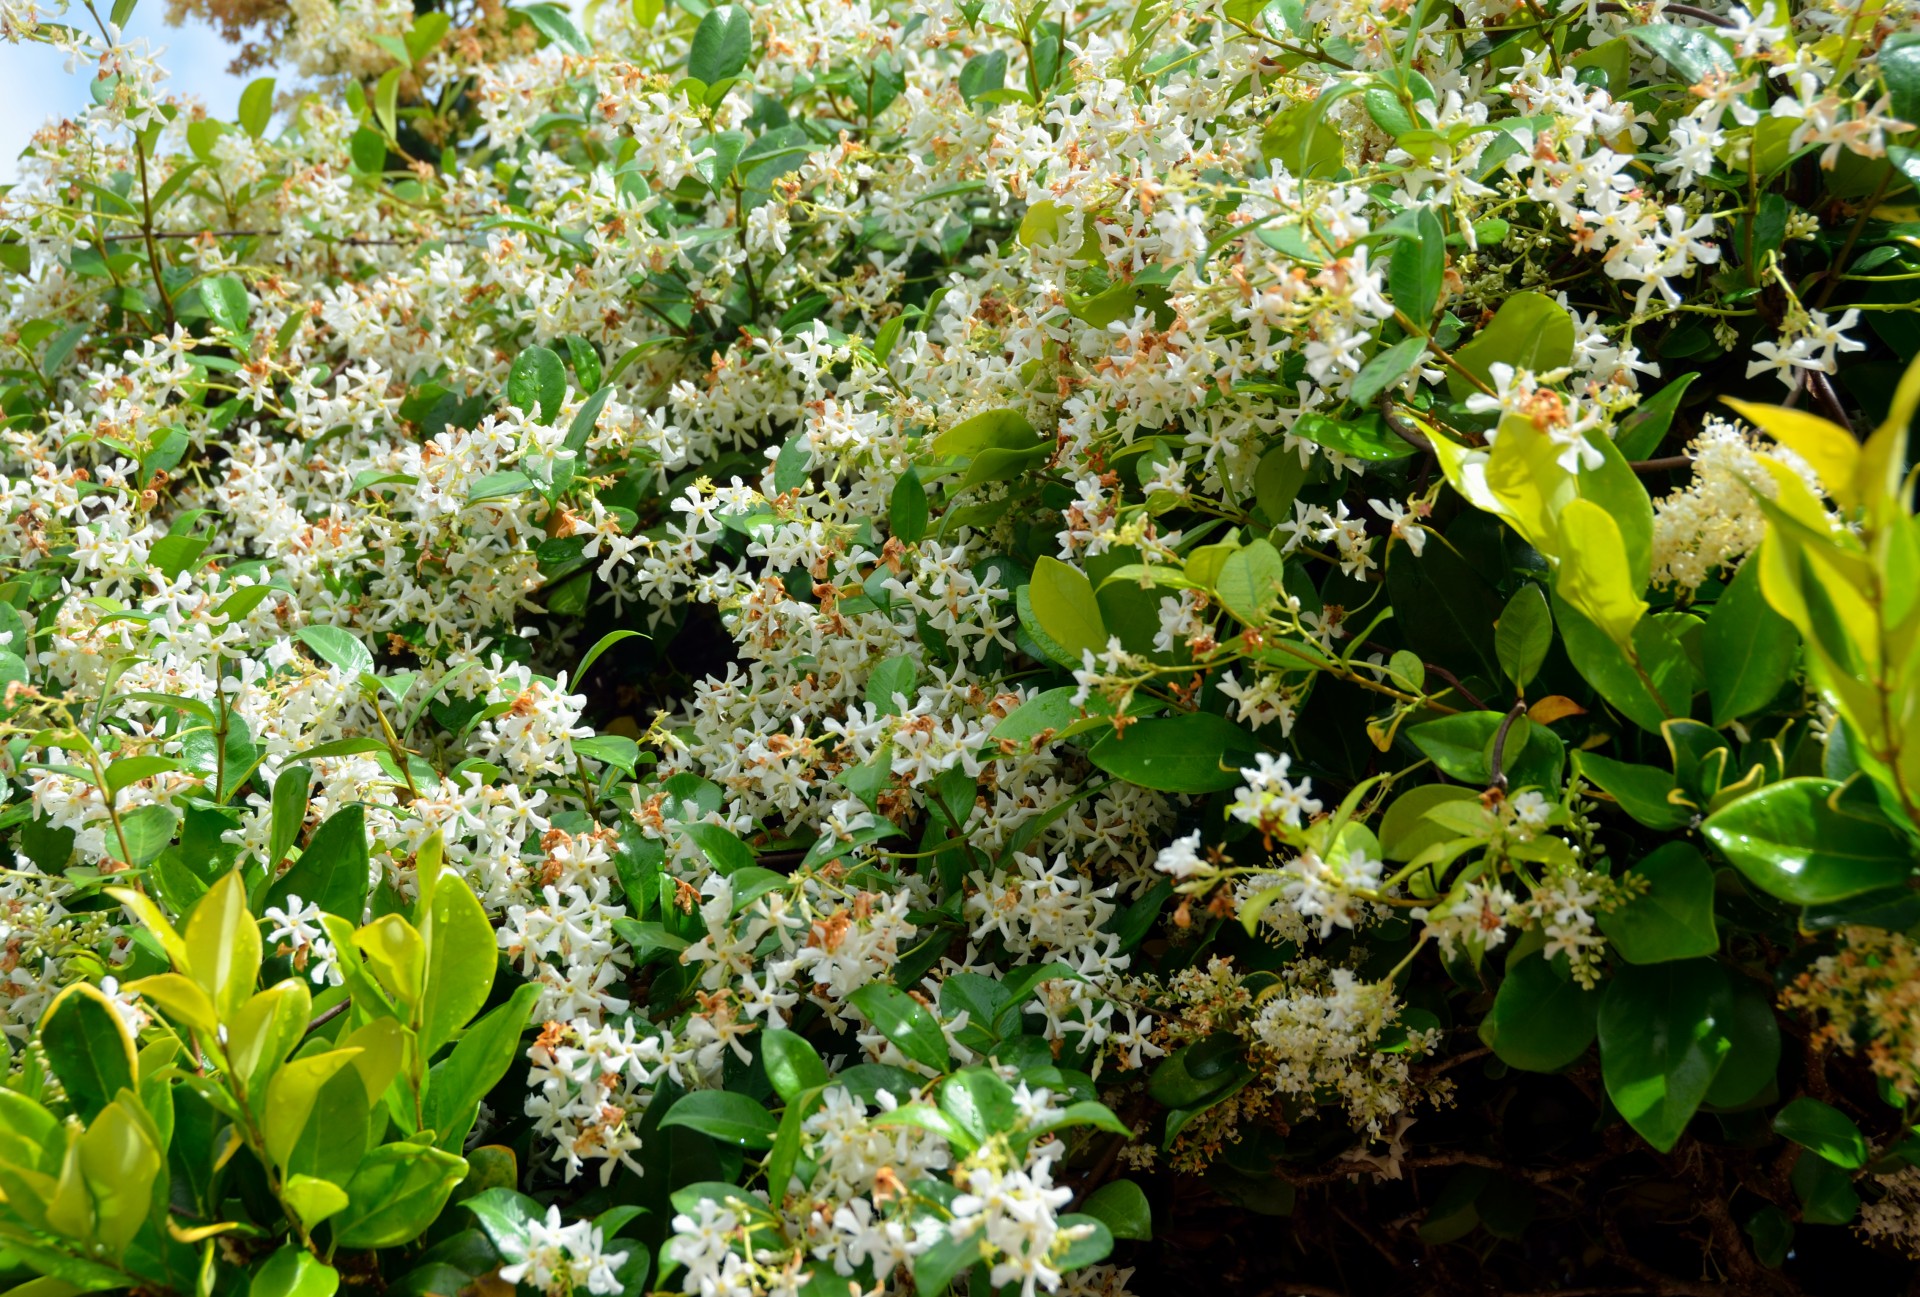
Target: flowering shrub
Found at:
x=814, y=648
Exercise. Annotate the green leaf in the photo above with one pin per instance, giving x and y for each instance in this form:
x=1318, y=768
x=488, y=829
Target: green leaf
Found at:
x=1595, y=575
x=313, y=1199
x=290, y=790
x=1459, y=744
x=1642, y=431
x=1122, y=1207
x=291, y=1095
x=1691, y=52
x=979, y=1104
x=1748, y=648
x=1418, y=268
x=905, y=1022
x=721, y=44
x=1541, y=1019
x=995, y=429
x=397, y=1192
x=504, y=1215
x=256, y=107
x=1663, y=1037
x=1363, y=436
x=726, y=1116
x=1612, y=673
x=88, y=1048
x=1827, y=1195
x=483, y=1055
x=295, y=1272
x=1250, y=581
x=1790, y=841
x=1899, y=61
x=1092, y=1247
x=717, y=154
x=223, y=945
x=1825, y=1130
x=461, y=961
x=337, y=648
x=556, y=25
x=1064, y=604
x=1674, y=919
x=982, y=73
x=537, y=383
x=1641, y=791
x=1523, y=635
x=1755, y=1057
x=895, y=676
x=1529, y=331
x=225, y=298
x=724, y=849
x=907, y=509
x=1385, y=369
x=1772, y=1233
x=333, y=872
x=1198, y=752
x=793, y=1065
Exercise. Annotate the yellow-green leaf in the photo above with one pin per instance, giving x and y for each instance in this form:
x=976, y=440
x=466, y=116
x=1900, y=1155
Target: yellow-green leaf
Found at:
x=223, y=946
x=1593, y=573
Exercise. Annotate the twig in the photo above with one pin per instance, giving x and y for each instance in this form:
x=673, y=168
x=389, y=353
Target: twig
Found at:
x=1661, y=465
x=1685, y=11
x=1498, y=777
x=328, y=1015
x=1822, y=389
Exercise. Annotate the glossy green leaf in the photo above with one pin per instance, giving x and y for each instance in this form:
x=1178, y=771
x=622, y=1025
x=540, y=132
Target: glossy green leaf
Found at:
x=461, y=960
x=223, y=945
x=484, y=1055
x=1790, y=842
x=904, y=1021
x=793, y=1065
x=1529, y=331
x=537, y=383
x=290, y=792
x=721, y=44
x=726, y=1116
x=907, y=510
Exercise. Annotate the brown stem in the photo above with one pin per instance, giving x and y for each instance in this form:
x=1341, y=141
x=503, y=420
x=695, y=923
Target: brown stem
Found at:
x=1498, y=776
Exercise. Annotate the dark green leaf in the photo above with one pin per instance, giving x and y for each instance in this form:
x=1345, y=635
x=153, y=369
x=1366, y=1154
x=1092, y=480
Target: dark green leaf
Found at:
x=1541, y=1018
x=1123, y=1208
x=1663, y=1037
x=333, y=872
x=1825, y=1130
x=1749, y=649
x=726, y=1116
x=1194, y=753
